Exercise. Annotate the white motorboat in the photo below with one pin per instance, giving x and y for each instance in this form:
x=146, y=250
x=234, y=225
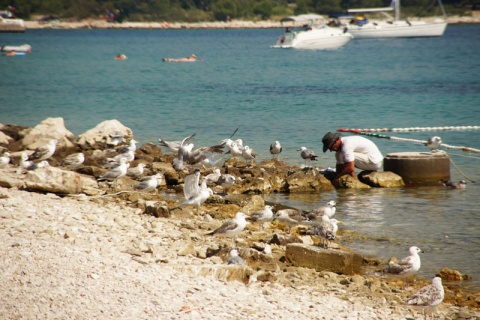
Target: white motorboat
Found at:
x=362, y=28
x=312, y=36
x=9, y=24
x=20, y=48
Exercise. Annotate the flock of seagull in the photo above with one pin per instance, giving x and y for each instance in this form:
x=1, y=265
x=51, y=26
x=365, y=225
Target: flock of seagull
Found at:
x=197, y=191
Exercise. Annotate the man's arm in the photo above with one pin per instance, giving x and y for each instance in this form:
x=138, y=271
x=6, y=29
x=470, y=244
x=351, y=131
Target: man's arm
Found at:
x=345, y=168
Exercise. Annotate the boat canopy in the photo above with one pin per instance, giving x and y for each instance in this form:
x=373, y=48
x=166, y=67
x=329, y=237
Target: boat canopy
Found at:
x=303, y=17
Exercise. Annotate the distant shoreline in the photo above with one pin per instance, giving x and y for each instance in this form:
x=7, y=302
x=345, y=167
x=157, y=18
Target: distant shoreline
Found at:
x=235, y=24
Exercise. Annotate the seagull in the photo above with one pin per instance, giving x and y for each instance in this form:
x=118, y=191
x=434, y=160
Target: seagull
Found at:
x=44, y=152
x=434, y=142
x=235, y=258
x=226, y=181
x=408, y=265
x=132, y=146
x=248, y=154
x=116, y=171
x=235, y=147
x=290, y=217
x=116, y=137
x=73, y=160
x=307, y=154
x=329, y=210
x=195, y=195
x=262, y=216
x=186, y=154
x=454, y=185
x=429, y=296
x=275, y=148
x=5, y=159
x=31, y=165
x=149, y=183
x=212, y=178
x=175, y=145
x=129, y=156
x=232, y=228
x=136, y=172
x=327, y=229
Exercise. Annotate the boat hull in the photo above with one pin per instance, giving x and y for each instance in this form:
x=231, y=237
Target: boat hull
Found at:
x=398, y=29
x=316, y=39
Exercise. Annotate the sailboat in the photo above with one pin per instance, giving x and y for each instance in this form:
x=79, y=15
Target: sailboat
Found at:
x=394, y=27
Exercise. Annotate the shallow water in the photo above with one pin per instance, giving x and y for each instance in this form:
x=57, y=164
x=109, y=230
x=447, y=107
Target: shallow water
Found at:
x=286, y=95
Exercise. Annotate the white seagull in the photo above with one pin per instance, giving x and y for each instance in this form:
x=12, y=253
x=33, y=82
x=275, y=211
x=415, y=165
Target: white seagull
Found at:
x=429, y=296
x=226, y=180
x=329, y=210
x=232, y=228
x=132, y=146
x=116, y=171
x=149, y=183
x=275, y=148
x=44, y=152
x=235, y=258
x=408, y=265
x=187, y=156
x=116, y=137
x=73, y=160
x=5, y=159
x=195, y=195
x=327, y=229
x=262, y=216
x=290, y=218
x=212, y=178
x=307, y=154
x=136, y=172
x=248, y=154
x=434, y=142
x=173, y=146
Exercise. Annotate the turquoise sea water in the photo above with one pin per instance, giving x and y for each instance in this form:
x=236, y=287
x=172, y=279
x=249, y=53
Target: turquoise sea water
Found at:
x=269, y=94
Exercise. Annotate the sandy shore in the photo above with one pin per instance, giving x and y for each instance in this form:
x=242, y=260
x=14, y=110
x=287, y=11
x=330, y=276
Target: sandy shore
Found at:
x=235, y=24
x=100, y=258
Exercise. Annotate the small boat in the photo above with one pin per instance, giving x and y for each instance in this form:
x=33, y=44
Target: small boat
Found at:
x=10, y=24
x=20, y=48
x=362, y=28
x=311, y=35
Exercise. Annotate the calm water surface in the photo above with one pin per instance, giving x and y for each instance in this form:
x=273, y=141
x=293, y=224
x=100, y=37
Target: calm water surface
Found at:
x=286, y=95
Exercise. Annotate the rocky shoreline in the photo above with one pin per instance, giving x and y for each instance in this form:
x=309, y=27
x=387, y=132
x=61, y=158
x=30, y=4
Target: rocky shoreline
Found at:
x=97, y=252
x=234, y=24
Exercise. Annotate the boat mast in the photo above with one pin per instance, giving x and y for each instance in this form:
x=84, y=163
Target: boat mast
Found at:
x=396, y=6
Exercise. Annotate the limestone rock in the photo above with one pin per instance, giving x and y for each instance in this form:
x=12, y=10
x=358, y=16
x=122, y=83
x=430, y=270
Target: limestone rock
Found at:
x=320, y=259
x=384, y=179
x=157, y=209
x=308, y=181
x=51, y=179
x=98, y=137
x=5, y=139
x=450, y=275
x=50, y=128
x=349, y=182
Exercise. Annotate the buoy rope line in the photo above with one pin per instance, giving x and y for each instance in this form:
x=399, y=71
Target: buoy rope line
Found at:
x=424, y=142
x=447, y=128
x=460, y=171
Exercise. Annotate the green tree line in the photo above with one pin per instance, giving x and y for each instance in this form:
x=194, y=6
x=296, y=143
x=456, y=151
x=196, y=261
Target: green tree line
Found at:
x=212, y=10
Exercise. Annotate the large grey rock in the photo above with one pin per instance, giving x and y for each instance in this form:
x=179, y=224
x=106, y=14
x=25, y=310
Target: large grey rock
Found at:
x=320, y=259
x=50, y=128
x=51, y=179
x=98, y=137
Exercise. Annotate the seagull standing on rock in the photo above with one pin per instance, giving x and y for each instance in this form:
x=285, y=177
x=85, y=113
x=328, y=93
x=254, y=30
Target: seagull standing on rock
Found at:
x=307, y=154
x=275, y=148
x=407, y=266
x=5, y=159
x=262, y=216
x=429, y=296
x=248, y=154
x=149, y=183
x=235, y=258
x=116, y=172
x=434, y=142
x=73, y=160
x=329, y=210
x=137, y=171
x=327, y=229
x=232, y=228
x=290, y=218
x=44, y=152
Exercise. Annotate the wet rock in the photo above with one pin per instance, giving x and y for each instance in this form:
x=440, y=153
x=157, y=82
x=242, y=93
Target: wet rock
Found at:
x=385, y=179
x=349, y=182
x=338, y=261
x=51, y=179
x=308, y=180
x=98, y=137
x=449, y=275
